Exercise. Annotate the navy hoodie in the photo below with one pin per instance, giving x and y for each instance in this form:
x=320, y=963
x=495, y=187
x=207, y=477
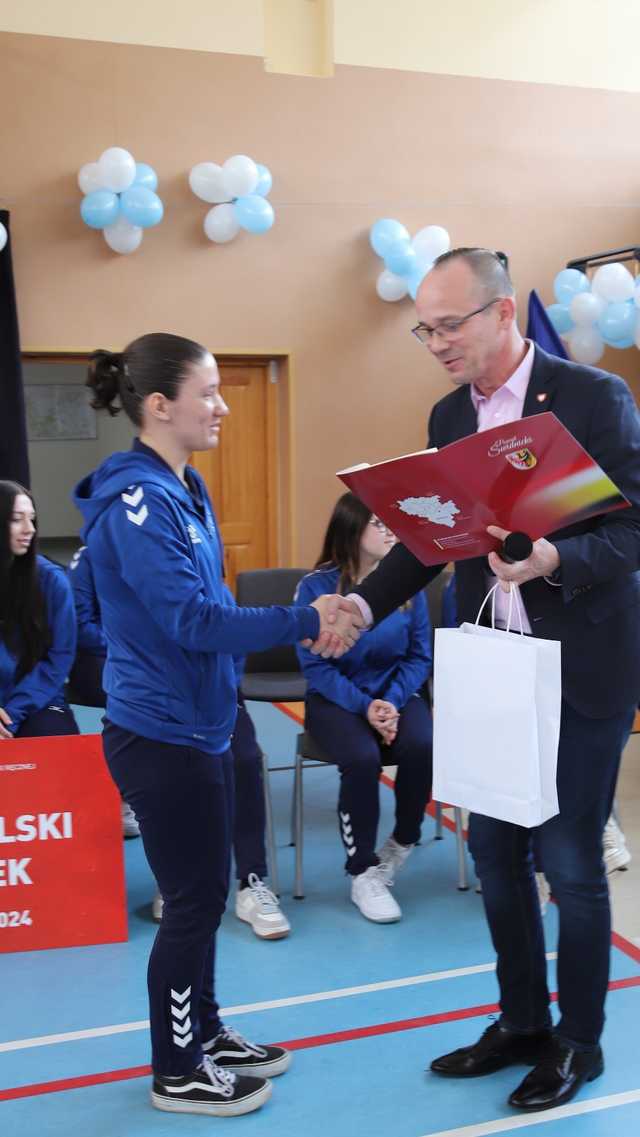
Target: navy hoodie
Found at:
x=171, y=633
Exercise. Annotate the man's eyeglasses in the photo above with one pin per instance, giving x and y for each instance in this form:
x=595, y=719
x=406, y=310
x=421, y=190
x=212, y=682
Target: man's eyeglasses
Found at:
x=446, y=329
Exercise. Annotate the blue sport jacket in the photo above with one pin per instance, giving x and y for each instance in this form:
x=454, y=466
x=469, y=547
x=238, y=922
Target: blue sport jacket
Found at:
x=171, y=633
x=392, y=661
x=44, y=684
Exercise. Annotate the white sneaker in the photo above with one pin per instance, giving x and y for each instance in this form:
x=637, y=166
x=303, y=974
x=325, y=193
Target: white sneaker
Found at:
x=258, y=905
x=614, y=847
x=130, y=827
x=157, y=906
x=370, y=893
x=544, y=892
x=392, y=856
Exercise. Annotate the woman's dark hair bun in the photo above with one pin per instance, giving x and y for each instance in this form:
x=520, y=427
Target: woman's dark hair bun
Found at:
x=106, y=371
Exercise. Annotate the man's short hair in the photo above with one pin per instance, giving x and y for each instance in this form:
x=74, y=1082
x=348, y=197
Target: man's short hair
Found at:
x=490, y=270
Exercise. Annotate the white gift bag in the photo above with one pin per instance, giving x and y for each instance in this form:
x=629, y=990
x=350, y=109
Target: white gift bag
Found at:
x=496, y=720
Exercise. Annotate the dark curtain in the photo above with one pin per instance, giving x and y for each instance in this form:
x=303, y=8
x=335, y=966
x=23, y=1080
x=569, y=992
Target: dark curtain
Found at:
x=541, y=330
x=14, y=459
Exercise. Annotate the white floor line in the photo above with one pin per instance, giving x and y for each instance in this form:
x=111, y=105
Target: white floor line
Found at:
x=520, y=1121
x=268, y=1005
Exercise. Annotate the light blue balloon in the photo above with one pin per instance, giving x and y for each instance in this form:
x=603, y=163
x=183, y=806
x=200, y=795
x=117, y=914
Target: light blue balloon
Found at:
x=99, y=209
x=560, y=316
x=384, y=233
x=415, y=280
x=627, y=342
x=618, y=321
x=265, y=181
x=568, y=283
x=401, y=258
x=145, y=176
x=141, y=206
x=254, y=213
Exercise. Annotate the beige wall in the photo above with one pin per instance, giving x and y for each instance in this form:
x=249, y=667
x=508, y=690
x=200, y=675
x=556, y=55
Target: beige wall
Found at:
x=543, y=173
x=583, y=43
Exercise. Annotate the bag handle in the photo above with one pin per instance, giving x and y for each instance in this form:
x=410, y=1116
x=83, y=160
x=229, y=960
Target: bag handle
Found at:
x=514, y=601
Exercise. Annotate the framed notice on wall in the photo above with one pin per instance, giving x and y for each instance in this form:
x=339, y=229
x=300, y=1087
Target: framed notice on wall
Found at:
x=58, y=412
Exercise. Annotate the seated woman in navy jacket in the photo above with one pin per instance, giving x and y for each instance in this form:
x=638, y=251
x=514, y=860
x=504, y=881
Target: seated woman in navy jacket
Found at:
x=365, y=710
x=37, y=627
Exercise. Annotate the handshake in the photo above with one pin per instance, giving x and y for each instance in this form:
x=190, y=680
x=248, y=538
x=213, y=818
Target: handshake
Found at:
x=340, y=625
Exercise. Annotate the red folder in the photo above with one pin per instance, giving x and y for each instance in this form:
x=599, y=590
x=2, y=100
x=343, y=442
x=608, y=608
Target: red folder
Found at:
x=531, y=476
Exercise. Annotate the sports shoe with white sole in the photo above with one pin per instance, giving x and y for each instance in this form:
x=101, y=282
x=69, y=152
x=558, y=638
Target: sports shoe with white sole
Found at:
x=544, y=892
x=258, y=905
x=209, y=1090
x=393, y=856
x=615, y=853
x=130, y=827
x=370, y=893
x=230, y=1051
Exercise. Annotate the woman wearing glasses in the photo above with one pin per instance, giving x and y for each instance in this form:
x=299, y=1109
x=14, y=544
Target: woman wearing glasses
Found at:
x=365, y=710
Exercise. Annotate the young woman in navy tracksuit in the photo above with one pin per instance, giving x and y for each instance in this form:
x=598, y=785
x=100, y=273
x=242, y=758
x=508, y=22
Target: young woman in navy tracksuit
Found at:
x=255, y=902
x=171, y=698
x=365, y=710
x=37, y=627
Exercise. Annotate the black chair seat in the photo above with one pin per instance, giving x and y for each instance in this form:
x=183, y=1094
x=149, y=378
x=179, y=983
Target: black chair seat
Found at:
x=308, y=749
x=274, y=686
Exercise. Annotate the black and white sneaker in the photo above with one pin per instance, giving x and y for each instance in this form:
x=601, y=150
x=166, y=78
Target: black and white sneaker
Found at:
x=231, y=1051
x=210, y=1090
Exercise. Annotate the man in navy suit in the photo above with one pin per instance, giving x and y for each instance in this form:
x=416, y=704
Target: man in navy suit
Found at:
x=582, y=587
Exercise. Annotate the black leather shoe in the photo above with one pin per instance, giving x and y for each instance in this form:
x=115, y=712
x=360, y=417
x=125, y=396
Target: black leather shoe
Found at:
x=497, y=1047
x=558, y=1077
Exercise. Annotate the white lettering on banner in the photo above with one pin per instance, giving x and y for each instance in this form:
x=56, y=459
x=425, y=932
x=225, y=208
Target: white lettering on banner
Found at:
x=14, y=872
x=38, y=827
x=501, y=445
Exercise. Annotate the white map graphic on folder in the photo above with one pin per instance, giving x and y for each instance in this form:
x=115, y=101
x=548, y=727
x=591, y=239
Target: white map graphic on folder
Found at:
x=431, y=508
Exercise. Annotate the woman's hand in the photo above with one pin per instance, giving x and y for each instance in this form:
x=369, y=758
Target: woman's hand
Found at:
x=340, y=625
x=383, y=717
x=5, y=721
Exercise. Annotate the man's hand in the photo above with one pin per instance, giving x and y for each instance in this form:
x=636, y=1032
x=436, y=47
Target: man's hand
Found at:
x=544, y=560
x=5, y=721
x=383, y=717
x=340, y=625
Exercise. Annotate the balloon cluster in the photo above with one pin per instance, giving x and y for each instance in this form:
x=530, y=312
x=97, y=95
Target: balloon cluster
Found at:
x=407, y=259
x=591, y=313
x=4, y=236
x=237, y=190
x=120, y=198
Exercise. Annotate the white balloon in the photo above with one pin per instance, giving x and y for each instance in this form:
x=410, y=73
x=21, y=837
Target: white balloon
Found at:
x=586, y=345
x=122, y=236
x=89, y=178
x=116, y=169
x=4, y=236
x=221, y=224
x=431, y=242
x=613, y=282
x=240, y=175
x=207, y=181
x=636, y=294
x=586, y=308
x=391, y=287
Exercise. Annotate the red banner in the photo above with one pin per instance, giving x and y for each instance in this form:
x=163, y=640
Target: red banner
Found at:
x=61, y=860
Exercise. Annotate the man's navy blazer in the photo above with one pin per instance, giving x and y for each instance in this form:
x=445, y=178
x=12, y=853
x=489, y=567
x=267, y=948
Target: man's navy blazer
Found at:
x=596, y=612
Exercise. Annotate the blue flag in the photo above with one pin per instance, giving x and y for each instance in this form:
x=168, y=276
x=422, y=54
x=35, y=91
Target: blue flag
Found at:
x=541, y=330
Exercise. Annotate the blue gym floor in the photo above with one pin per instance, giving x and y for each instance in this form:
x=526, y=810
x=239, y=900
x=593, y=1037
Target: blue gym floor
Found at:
x=364, y=1006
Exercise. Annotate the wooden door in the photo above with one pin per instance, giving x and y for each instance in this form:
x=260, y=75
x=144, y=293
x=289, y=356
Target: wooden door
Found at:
x=241, y=472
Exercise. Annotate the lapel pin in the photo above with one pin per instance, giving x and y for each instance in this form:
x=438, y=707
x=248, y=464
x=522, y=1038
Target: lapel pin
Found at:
x=541, y=397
